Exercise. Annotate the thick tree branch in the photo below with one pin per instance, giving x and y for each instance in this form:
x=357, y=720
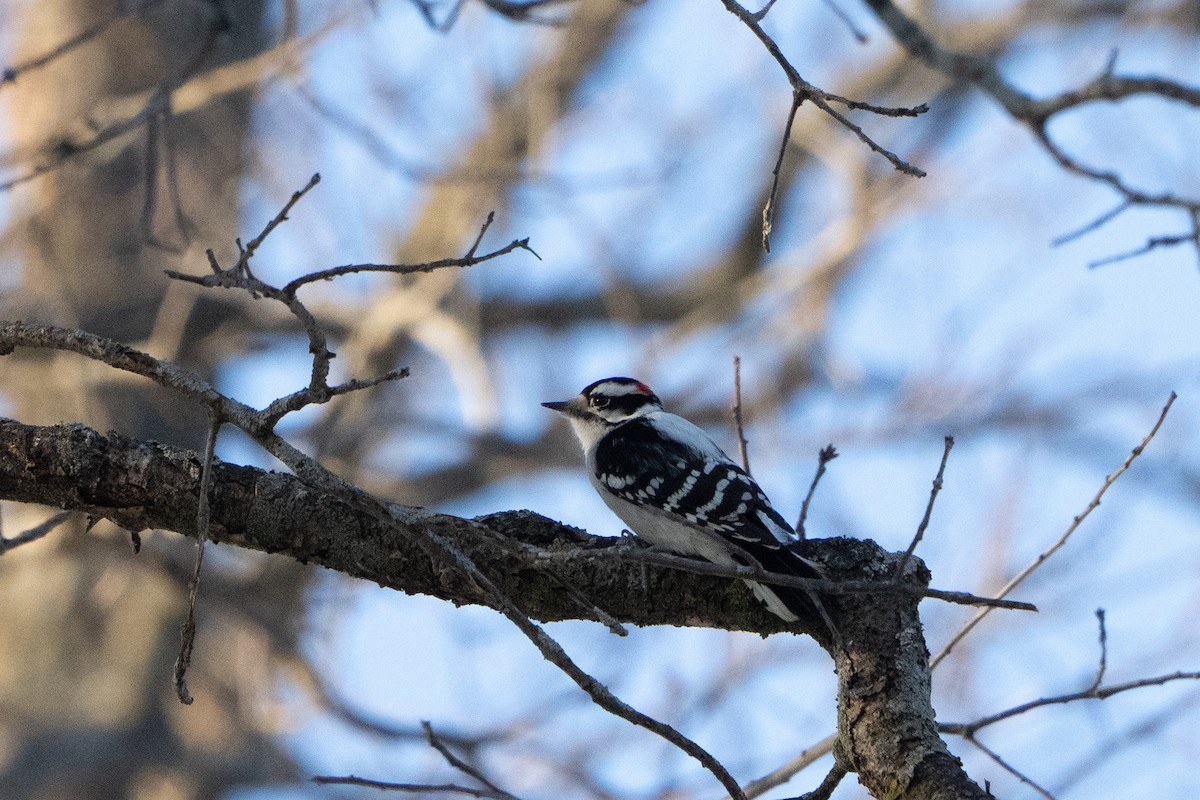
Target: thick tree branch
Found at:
x=887, y=730
x=146, y=485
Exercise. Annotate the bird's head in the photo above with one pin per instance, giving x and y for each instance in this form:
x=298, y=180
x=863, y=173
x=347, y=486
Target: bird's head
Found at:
x=606, y=403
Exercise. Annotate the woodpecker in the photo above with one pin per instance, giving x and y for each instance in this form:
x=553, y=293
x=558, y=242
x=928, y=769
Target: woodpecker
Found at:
x=676, y=489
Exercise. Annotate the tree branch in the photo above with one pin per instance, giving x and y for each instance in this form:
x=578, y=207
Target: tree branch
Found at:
x=887, y=730
x=1036, y=114
x=145, y=485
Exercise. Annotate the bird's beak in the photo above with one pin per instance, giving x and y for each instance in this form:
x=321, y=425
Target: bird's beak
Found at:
x=557, y=405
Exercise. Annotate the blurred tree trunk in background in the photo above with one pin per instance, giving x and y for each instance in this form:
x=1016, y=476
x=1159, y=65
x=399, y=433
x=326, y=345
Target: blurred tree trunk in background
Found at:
x=89, y=712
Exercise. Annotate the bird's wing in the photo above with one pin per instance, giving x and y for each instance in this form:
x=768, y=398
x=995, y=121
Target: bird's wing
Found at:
x=647, y=468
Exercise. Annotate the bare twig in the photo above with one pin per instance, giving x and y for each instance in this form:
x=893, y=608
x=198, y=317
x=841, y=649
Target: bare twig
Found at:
x=1092, y=692
x=786, y=772
x=189, y=385
x=599, y=614
x=203, y=515
x=406, y=269
x=1153, y=243
x=10, y=74
x=487, y=223
x=415, y=788
x=1016, y=773
x=933, y=493
x=600, y=694
x=858, y=33
x=1103, y=652
x=119, y=356
x=747, y=572
x=1020, y=577
x=882, y=111
x=821, y=101
x=828, y=785
x=1098, y=222
x=762, y=12
x=240, y=276
x=532, y=554
x=248, y=251
x=828, y=453
x=968, y=599
x=743, y=452
x=34, y=533
x=768, y=212
x=437, y=744
x=282, y=406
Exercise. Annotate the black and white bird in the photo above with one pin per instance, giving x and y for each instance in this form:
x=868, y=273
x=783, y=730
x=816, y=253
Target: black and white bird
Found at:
x=676, y=489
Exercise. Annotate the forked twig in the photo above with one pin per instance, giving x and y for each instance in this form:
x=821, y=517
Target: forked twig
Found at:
x=803, y=90
x=1037, y=114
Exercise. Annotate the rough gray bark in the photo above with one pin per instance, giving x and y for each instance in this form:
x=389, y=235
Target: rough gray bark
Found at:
x=887, y=732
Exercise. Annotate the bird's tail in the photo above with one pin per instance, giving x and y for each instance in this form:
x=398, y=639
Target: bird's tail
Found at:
x=809, y=607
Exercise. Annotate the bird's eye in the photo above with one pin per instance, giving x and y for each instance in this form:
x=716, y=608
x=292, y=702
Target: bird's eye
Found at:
x=601, y=401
